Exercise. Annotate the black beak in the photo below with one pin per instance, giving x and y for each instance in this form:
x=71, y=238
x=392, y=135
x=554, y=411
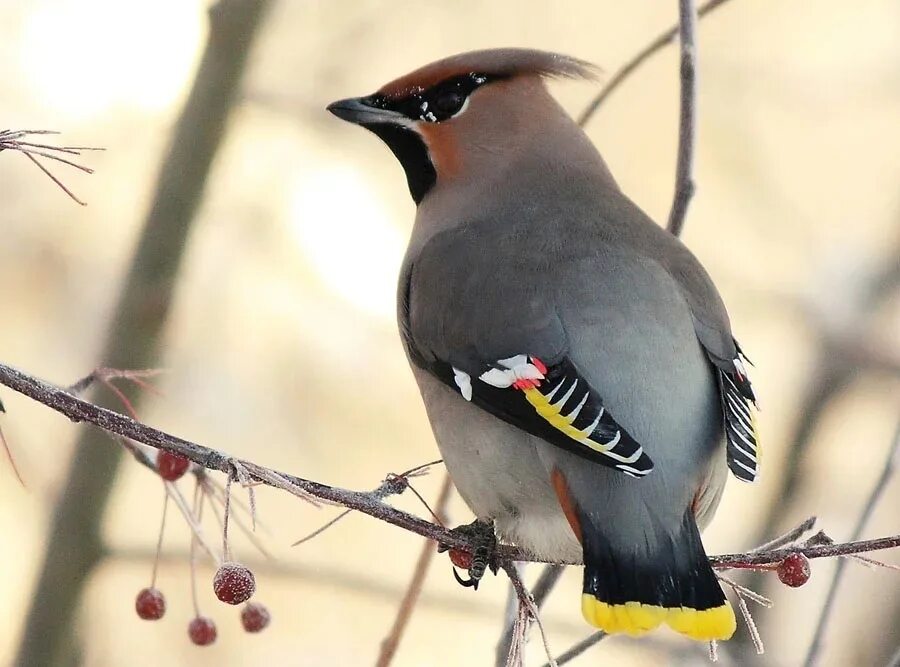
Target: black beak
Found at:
x=358, y=110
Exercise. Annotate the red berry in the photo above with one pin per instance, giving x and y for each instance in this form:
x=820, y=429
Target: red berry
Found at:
x=171, y=466
x=461, y=559
x=794, y=570
x=234, y=583
x=202, y=631
x=255, y=617
x=150, y=604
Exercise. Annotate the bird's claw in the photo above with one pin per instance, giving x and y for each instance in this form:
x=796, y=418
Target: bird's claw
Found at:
x=480, y=535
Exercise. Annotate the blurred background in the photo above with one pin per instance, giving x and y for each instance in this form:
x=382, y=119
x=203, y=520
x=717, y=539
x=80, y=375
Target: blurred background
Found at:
x=268, y=296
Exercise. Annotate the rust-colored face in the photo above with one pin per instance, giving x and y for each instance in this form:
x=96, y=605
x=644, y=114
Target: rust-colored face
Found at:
x=412, y=119
x=418, y=115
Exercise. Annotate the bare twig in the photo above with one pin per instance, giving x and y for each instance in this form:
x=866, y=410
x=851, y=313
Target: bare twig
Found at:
x=545, y=583
x=687, y=124
x=9, y=456
x=12, y=140
x=543, y=586
x=527, y=613
x=755, y=637
x=639, y=59
x=745, y=592
x=408, y=603
x=754, y=560
x=321, y=529
x=814, y=653
x=579, y=648
x=789, y=537
x=510, y=621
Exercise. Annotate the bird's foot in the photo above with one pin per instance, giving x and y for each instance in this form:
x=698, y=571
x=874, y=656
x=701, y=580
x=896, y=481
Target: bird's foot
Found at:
x=480, y=535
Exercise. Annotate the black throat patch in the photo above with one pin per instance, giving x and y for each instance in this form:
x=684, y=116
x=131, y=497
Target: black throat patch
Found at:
x=409, y=148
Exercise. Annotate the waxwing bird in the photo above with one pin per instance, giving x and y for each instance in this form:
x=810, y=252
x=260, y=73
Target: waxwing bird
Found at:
x=575, y=359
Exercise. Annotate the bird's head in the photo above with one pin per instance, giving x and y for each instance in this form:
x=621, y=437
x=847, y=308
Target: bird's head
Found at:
x=440, y=118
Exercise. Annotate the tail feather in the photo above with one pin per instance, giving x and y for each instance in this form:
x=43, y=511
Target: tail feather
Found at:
x=635, y=591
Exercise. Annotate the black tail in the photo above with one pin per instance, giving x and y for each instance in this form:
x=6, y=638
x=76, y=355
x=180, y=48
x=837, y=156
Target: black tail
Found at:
x=636, y=589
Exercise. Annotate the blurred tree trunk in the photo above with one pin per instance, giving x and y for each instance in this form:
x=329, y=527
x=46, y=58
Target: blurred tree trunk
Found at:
x=74, y=545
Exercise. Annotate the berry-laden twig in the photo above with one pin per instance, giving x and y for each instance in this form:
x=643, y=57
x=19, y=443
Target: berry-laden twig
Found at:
x=367, y=502
x=371, y=503
x=18, y=140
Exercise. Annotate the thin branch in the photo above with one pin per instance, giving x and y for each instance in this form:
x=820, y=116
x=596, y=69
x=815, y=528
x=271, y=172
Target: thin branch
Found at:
x=548, y=579
x=367, y=502
x=545, y=583
x=527, y=613
x=754, y=560
x=321, y=529
x=687, y=123
x=639, y=59
x=12, y=140
x=745, y=592
x=755, y=637
x=789, y=537
x=510, y=625
x=814, y=653
x=408, y=603
x=53, y=178
x=579, y=648
x=9, y=457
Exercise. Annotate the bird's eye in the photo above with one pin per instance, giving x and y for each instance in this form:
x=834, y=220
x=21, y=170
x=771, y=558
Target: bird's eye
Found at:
x=448, y=103
x=442, y=101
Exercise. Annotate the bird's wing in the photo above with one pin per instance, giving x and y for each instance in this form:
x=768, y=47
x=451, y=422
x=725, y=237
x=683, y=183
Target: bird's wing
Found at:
x=552, y=402
x=500, y=344
x=713, y=328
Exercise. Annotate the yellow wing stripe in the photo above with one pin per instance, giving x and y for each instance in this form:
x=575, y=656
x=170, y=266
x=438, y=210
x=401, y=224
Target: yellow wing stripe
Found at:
x=634, y=618
x=552, y=414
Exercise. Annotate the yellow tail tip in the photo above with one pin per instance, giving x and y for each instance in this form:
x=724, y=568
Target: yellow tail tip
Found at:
x=706, y=625
x=634, y=618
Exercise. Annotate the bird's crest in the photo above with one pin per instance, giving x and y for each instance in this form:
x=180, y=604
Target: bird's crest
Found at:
x=507, y=62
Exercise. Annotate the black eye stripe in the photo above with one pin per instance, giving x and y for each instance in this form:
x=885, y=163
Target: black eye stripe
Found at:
x=437, y=103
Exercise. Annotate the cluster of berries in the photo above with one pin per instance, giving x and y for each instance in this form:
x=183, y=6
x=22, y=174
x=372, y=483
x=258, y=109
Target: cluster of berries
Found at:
x=233, y=583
